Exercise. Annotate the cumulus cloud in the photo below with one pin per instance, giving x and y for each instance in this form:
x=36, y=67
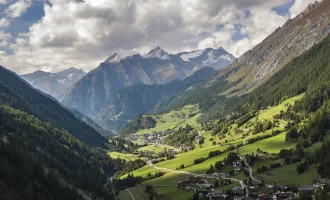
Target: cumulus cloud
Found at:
x=260, y=24
x=3, y=1
x=4, y=22
x=18, y=8
x=4, y=37
x=83, y=33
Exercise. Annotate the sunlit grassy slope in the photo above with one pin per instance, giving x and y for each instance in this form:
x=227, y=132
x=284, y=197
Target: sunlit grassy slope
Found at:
x=174, y=119
x=125, y=156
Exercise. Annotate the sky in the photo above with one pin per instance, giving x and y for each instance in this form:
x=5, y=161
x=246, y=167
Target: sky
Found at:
x=53, y=35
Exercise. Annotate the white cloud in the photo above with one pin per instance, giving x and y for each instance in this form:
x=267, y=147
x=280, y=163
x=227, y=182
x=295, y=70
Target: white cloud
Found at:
x=299, y=6
x=4, y=37
x=3, y=1
x=18, y=8
x=83, y=33
x=4, y=22
x=260, y=24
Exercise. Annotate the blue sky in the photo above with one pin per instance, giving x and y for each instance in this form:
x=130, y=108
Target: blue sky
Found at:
x=35, y=34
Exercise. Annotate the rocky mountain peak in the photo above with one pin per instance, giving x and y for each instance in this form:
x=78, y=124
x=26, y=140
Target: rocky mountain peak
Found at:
x=158, y=53
x=113, y=59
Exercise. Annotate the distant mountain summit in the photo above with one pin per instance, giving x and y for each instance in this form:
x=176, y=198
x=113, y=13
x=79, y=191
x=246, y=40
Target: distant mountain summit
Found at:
x=216, y=58
x=113, y=59
x=158, y=53
x=54, y=84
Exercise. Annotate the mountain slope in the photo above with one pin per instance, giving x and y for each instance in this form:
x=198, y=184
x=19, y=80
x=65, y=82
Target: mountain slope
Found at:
x=138, y=99
x=257, y=65
x=91, y=123
x=38, y=161
x=14, y=91
x=308, y=73
x=296, y=36
x=54, y=84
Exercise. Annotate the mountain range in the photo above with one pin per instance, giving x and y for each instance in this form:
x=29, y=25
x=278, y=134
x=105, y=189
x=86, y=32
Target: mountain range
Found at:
x=95, y=92
x=106, y=94
x=54, y=84
x=141, y=98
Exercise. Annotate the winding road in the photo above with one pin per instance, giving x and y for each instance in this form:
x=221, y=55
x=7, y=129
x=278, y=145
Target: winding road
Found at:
x=150, y=164
x=129, y=192
x=251, y=172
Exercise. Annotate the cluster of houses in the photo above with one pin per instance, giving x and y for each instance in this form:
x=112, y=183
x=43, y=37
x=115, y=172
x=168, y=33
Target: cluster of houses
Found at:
x=157, y=138
x=257, y=191
x=278, y=192
x=154, y=137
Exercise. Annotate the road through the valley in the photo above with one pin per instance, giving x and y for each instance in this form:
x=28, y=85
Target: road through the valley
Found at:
x=129, y=192
x=150, y=164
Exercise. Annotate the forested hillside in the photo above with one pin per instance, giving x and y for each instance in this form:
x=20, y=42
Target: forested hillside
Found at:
x=15, y=92
x=38, y=161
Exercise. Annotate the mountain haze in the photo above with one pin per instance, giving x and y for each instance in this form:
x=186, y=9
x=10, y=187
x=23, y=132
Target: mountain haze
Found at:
x=54, y=84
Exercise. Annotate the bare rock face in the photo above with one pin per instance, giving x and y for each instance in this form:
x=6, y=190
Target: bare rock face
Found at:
x=295, y=37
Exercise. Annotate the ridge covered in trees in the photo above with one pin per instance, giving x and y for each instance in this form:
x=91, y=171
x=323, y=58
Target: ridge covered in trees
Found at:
x=39, y=161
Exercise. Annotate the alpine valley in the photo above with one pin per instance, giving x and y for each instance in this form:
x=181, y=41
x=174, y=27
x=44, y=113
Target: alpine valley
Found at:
x=194, y=125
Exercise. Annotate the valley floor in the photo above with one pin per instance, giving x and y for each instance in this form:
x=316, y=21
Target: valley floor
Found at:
x=166, y=186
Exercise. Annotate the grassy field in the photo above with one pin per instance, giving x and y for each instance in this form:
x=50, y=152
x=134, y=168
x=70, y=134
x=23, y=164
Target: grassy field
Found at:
x=270, y=112
x=125, y=156
x=174, y=119
x=271, y=145
x=287, y=174
x=155, y=148
x=124, y=195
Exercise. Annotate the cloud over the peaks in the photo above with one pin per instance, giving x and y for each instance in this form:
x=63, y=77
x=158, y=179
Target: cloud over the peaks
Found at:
x=82, y=33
